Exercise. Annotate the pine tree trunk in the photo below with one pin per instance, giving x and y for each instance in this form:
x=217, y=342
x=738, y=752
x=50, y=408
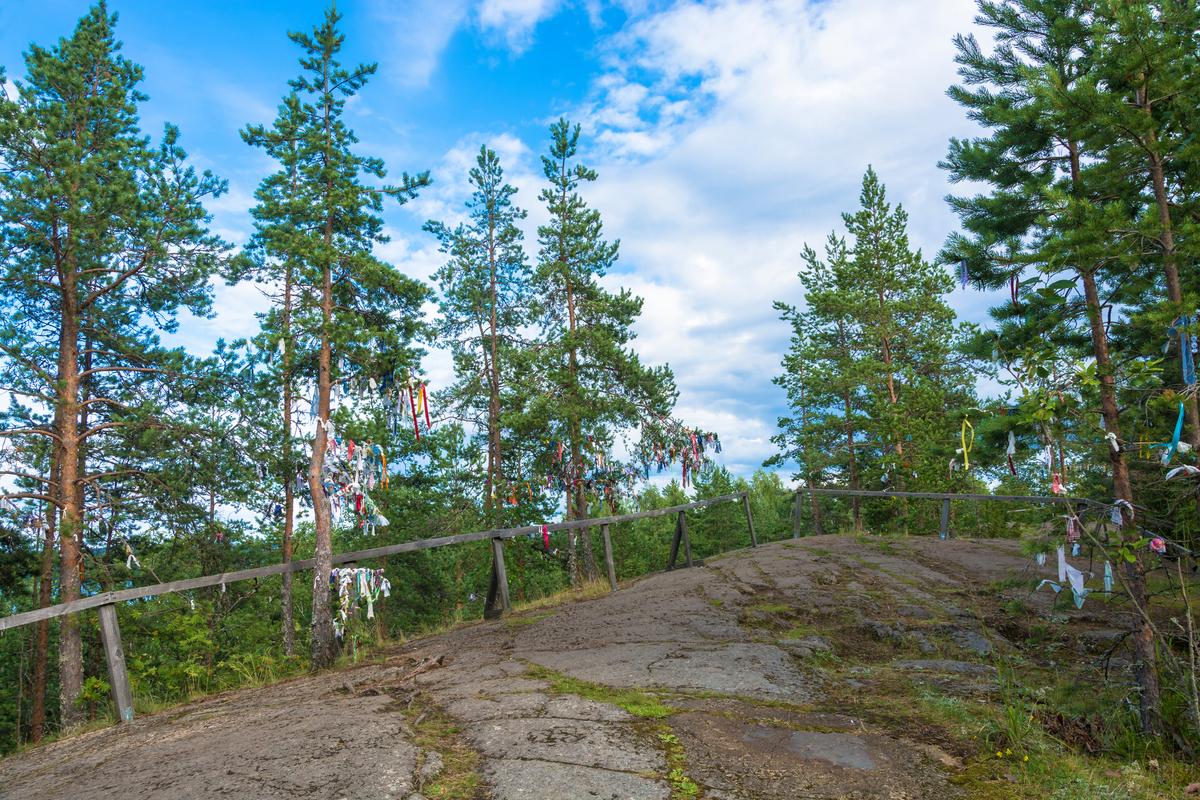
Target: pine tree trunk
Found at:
x=1145, y=666
x=1191, y=400
x=381, y=628
x=588, y=570
x=289, y=626
x=490, y=479
x=1146, y=658
x=70, y=649
x=898, y=477
x=893, y=398
x=289, y=638
x=37, y=714
x=855, y=502
x=323, y=644
x=495, y=462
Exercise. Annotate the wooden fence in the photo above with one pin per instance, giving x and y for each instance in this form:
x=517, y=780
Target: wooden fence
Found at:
x=945, y=497
x=497, y=603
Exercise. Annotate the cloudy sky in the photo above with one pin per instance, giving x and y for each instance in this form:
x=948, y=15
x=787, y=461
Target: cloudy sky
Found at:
x=726, y=135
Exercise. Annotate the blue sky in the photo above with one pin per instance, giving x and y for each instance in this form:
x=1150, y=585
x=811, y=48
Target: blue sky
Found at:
x=726, y=135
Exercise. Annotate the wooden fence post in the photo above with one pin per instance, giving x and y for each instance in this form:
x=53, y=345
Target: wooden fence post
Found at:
x=944, y=528
x=687, y=540
x=675, y=541
x=497, y=600
x=608, y=557
x=796, y=512
x=749, y=520
x=681, y=537
x=118, y=678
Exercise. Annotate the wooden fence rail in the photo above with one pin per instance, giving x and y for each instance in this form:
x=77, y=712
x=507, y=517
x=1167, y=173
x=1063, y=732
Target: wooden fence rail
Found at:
x=945, y=497
x=498, y=597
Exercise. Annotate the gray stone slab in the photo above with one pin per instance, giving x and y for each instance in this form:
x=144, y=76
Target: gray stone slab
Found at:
x=572, y=707
x=500, y=706
x=466, y=687
x=581, y=742
x=839, y=749
x=512, y=779
x=734, y=668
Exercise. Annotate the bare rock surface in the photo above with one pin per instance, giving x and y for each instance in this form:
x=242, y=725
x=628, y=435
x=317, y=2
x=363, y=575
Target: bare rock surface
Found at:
x=743, y=678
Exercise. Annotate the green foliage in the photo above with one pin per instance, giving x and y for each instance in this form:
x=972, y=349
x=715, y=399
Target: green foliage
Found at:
x=589, y=383
x=1087, y=216
x=876, y=392
x=636, y=701
x=103, y=240
x=485, y=301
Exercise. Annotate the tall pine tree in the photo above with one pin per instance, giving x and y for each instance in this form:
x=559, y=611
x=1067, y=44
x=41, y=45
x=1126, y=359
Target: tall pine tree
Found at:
x=352, y=313
x=1075, y=158
x=875, y=385
x=274, y=257
x=485, y=302
x=592, y=385
x=102, y=239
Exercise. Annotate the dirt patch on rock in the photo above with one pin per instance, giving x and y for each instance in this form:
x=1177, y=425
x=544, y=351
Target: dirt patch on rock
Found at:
x=745, y=760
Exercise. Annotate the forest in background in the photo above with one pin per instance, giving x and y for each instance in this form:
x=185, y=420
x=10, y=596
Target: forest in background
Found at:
x=127, y=462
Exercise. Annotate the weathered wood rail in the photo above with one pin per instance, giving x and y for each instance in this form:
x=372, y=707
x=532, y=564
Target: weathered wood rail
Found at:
x=945, y=497
x=498, y=598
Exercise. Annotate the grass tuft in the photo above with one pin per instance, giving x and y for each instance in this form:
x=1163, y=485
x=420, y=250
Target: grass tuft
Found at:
x=637, y=702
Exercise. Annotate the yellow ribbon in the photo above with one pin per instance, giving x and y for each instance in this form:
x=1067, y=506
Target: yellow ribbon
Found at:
x=966, y=447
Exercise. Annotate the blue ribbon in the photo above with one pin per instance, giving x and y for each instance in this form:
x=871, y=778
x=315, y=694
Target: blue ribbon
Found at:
x=1175, y=438
x=1187, y=361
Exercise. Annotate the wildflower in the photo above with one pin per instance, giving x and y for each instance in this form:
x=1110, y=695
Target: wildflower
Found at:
x=1025, y=758
x=1008, y=752
x=999, y=754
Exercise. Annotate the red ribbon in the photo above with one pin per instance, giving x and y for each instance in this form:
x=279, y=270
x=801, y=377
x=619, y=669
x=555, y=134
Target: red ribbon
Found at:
x=425, y=406
x=412, y=403
x=546, y=536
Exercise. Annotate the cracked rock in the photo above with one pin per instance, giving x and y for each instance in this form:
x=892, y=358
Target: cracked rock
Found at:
x=432, y=767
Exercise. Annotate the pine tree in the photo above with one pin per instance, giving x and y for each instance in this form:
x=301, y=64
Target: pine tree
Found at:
x=274, y=256
x=873, y=380
x=485, y=298
x=1050, y=225
x=819, y=379
x=347, y=301
x=103, y=237
x=592, y=383
x=895, y=297
x=1144, y=106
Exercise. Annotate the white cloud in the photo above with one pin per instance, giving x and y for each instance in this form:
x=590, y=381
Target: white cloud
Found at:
x=418, y=32
x=514, y=20
x=729, y=134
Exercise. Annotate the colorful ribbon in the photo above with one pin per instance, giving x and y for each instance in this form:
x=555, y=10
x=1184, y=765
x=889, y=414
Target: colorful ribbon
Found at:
x=1172, y=446
x=1187, y=363
x=967, y=445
